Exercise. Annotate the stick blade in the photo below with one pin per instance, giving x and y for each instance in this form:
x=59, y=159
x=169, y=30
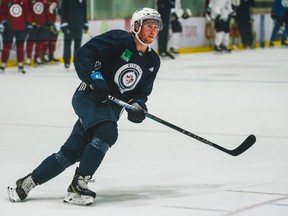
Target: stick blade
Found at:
x=248, y=142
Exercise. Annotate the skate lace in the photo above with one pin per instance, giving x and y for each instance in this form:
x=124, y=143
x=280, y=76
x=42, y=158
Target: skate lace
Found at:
x=83, y=182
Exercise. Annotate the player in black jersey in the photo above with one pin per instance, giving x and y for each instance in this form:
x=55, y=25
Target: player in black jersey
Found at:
x=116, y=63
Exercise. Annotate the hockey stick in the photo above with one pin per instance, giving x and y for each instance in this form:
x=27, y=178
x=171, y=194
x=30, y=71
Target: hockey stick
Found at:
x=246, y=144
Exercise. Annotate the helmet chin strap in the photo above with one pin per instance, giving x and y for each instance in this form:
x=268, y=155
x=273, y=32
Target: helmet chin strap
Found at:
x=136, y=35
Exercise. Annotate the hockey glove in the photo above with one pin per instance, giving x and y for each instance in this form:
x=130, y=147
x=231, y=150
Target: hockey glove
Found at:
x=273, y=16
x=52, y=28
x=137, y=115
x=5, y=23
x=29, y=27
x=100, y=89
x=233, y=14
x=207, y=14
x=65, y=28
x=86, y=28
x=186, y=13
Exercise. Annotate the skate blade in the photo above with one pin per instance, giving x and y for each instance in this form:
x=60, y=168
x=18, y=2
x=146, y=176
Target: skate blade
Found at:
x=76, y=199
x=12, y=194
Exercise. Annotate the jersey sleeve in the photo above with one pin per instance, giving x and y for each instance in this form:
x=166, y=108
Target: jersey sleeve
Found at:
x=98, y=48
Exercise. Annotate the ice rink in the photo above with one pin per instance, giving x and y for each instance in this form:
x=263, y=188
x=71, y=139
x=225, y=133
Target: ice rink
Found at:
x=153, y=170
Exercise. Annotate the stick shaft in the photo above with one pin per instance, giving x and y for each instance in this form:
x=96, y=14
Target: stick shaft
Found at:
x=246, y=144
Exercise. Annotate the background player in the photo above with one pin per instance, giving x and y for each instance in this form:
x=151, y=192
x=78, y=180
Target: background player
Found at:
x=15, y=19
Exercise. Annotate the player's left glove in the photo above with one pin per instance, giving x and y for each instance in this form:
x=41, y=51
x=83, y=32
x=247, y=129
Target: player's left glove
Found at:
x=186, y=13
x=100, y=89
x=29, y=28
x=137, y=115
x=65, y=28
x=233, y=14
x=85, y=27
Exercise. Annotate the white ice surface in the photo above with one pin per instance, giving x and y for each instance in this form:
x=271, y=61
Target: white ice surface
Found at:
x=153, y=170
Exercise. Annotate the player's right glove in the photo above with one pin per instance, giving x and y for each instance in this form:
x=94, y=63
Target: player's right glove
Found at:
x=207, y=14
x=29, y=27
x=3, y=25
x=85, y=27
x=273, y=16
x=65, y=28
x=137, y=115
x=100, y=89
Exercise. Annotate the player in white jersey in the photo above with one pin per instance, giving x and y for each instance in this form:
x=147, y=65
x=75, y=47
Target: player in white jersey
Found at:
x=221, y=13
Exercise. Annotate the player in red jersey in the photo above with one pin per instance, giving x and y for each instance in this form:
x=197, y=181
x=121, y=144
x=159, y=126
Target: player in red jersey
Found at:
x=15, y=19
x=39, y=35
x=49, y=48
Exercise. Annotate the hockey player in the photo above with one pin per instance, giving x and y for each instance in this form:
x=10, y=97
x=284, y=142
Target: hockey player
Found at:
x=221, y=12
x=164, y=8
x=73, y=23
x=39, y=35
x=49, y=48
x=279, y=15
x=177, y=14
x=15, y=19
x=244, y=21
x=118, y=63
x=176, y=28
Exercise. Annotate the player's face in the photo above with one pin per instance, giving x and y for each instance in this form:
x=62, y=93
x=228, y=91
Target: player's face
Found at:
x=149, y=31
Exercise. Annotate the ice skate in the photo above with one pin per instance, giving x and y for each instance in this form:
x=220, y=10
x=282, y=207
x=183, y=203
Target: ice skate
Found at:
x=23, y=187
x=166, y=55
x=225, y=49
x=2, y=69
x=79, y=193
x=174, y=51
x=217, y=49
x=67, y=66
x=21, y=69
x=53, y=59
x=28, y=62
x=38, y=61
x=45, y=59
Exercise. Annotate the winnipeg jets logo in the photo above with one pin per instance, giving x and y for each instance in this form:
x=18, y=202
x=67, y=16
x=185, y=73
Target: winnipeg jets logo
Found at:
x=129, y=79
x=128, y=76
x=38, y=8
x=16, y=10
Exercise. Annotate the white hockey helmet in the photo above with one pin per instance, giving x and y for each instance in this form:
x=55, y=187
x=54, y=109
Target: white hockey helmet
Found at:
x=285, y=3
x=143, y=14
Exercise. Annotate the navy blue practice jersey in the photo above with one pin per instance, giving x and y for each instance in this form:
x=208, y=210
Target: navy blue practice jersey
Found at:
x=130, y=74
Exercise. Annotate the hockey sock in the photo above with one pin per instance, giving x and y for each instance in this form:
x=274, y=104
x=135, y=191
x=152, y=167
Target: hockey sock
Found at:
x=52, y=46
x=219, y=38
x=5, y=52
x=47, y=170
x=226, y=39
x=92, y=157
x=20, y=51
x=29, y=48
x=39, y=48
